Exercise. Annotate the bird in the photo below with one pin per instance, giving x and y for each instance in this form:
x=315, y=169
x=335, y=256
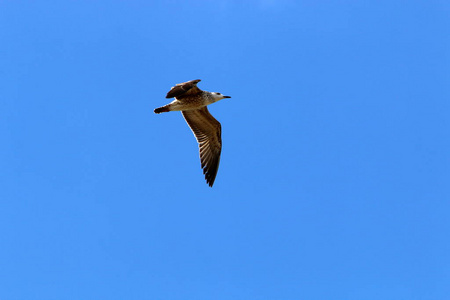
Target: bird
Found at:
x=192, y=102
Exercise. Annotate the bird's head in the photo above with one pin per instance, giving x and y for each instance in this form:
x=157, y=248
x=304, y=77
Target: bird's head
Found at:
x=219, y=96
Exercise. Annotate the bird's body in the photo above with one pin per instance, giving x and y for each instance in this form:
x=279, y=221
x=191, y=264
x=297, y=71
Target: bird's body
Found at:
x=189, y=102
x=192, y=102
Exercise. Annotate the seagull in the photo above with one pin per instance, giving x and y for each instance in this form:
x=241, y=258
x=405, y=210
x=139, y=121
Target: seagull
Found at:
x=192, y=102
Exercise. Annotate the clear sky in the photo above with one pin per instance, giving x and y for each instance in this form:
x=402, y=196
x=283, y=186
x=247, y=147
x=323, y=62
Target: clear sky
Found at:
x=335, y=169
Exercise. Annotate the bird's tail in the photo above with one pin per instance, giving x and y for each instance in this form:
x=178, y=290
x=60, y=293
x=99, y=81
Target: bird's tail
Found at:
x=161, y=109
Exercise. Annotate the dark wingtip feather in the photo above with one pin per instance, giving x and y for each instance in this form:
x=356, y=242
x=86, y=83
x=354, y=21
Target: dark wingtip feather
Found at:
x=210, y=171
x=210, y=182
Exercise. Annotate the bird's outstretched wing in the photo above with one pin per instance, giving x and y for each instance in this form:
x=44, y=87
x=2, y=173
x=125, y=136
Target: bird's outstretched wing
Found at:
x=207, y=131
x=184, y=89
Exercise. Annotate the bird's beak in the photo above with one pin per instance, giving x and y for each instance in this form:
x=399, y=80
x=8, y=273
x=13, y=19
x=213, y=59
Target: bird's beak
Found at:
x=226, y=96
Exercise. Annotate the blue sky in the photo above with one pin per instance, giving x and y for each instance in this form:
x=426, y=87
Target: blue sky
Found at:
x=335, y=170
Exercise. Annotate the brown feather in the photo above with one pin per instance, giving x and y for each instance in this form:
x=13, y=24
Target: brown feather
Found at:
x=208, y=132
x=184, y=89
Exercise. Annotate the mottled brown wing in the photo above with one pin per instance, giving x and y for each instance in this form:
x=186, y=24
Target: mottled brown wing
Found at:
x=184, y=89
x=207, y=131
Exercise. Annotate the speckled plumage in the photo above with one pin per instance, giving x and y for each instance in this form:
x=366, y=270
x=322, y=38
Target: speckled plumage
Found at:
x=192, y=102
